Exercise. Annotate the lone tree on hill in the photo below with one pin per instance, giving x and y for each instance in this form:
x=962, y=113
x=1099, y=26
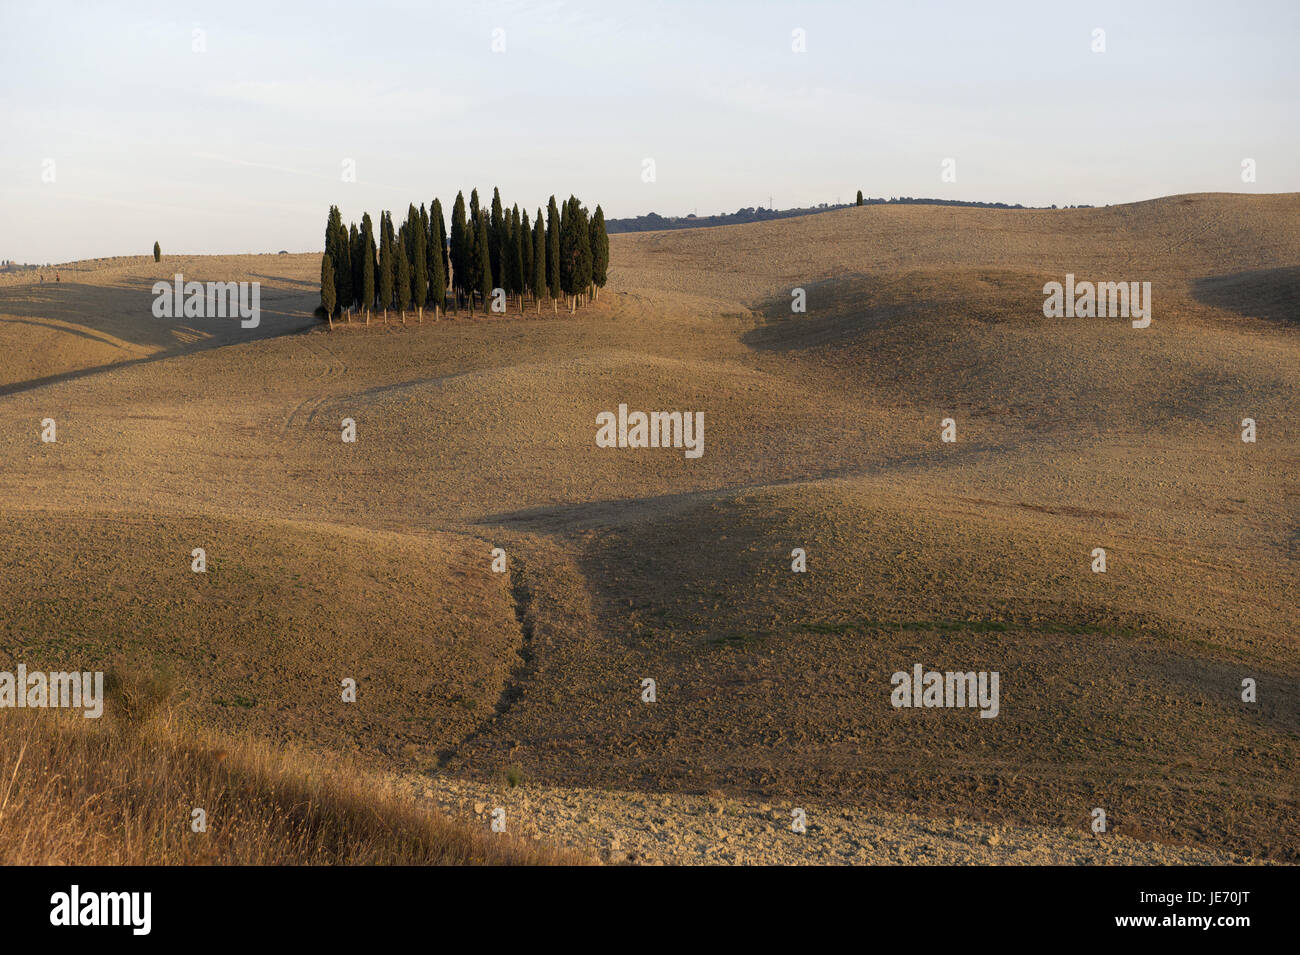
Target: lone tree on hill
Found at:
x=157, y=252
x=859, y=197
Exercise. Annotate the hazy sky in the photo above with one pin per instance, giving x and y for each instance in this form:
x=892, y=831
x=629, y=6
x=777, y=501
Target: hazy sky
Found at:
x=241, y=147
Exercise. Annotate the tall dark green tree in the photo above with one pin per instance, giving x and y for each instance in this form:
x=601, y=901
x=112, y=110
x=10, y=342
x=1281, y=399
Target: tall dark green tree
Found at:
x=582, y=267
x=482, y=266
x=514, y=250
x=416, y=232
x=526, y=251
x=333, y=225
x=387, y=266
x=553, y=250
x=342, y=268
x=497, y=235
x=367, y=262
x=403, y=277
x=436, y=219
x=575, y=250
x=459, y=247
x=157, y=252
x=859, y=197
x=327, y=288
x=432, y=262
x=540, y=288
x=437, y=268
x=354, y=247
x=599, y=251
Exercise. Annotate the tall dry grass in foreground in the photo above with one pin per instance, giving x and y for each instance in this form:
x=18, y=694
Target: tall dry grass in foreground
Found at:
x=120, y=791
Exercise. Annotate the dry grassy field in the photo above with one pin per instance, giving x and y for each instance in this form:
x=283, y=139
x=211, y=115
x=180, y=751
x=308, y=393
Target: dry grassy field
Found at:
x=372, y=560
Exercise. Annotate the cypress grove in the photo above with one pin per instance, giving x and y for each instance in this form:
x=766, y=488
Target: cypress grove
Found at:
x=498, y=248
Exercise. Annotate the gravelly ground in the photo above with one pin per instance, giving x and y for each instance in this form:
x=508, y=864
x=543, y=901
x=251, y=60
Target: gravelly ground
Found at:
x=663, y=829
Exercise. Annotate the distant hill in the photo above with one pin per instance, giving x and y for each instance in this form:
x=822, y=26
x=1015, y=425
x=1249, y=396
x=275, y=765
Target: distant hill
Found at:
x=652, y=222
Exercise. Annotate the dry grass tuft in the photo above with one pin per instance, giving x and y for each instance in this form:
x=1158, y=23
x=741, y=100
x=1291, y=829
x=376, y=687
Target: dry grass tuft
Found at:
x=122, y=791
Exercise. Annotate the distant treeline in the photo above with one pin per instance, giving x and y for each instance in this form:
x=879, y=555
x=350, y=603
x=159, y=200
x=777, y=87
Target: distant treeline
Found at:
x=652, y=222
x=420, y=264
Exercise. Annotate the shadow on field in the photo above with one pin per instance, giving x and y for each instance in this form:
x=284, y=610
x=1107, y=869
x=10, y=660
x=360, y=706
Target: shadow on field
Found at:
x=1271, y=294
x=120, y=317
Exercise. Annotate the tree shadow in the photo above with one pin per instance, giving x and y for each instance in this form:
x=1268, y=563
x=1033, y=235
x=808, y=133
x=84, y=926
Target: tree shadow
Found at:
x=121, y=317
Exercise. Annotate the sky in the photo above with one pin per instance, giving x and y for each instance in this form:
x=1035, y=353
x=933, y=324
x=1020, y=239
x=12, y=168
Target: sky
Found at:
x=232, y=126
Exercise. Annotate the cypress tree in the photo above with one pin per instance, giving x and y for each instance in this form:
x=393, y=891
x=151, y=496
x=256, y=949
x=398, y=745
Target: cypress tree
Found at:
x=415, y=232
x=327, y=299
x=342, y=267
x=333, y=233
x=390, y=231
x=367, y=262
x=482, y=262
x=859, y=197
x=526, y=253
x=332, y=224
x=433, y=260
x=540, y=287
x=599, y=251
x=354, y=246
x=515, y=252
x=497, y=235
x=403, y=280
x=459, y=247
x=505, y=278
x=157, y=252
x=436, y=219
x=333, y=228
x=582, y=259
x=387, y=267
x=437, y=274
x=553, y=251
x=568, y=247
